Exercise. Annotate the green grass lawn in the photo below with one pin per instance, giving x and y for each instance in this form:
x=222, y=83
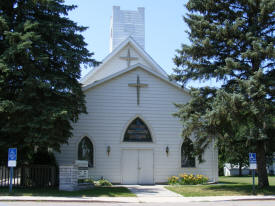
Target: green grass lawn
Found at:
x=244, y=180
x=228, y=186
x=95, y=192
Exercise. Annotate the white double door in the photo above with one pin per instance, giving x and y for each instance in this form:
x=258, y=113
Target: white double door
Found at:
x=137, y=166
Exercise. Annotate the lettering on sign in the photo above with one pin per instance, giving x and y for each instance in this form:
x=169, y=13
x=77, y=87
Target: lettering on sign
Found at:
x=252, y=161
x=82, y=173
x=12, y=157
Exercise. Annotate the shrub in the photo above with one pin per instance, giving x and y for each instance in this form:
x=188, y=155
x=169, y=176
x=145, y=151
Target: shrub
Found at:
x=190, y=179
x=88, y=180
x=173, y=180
x=102, y=183
x=201, y=179
x=187, y=179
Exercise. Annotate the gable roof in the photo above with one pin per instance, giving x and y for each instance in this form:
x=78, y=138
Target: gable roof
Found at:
x=135, y=66
x=135, y=45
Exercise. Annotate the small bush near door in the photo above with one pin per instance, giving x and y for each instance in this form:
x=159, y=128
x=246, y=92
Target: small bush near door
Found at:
x=102, y=182
x=187, y=179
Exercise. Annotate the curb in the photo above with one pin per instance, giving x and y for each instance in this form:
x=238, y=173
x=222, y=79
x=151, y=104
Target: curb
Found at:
x=68, y=199
x=136, y=199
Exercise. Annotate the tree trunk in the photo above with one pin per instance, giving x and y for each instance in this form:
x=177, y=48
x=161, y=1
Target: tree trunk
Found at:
x=261, y=166
x=240, y=169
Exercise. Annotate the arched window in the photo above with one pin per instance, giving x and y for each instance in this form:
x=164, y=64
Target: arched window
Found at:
x=137, y=131
x=187, y=155
x=86, y=151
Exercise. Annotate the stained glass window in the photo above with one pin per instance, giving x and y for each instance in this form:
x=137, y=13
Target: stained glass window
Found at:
x=187, y=156
x=137, y=131
x=86, y=151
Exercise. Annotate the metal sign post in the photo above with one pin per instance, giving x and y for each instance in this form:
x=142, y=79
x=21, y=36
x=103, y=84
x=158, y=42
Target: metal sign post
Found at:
x=253, y=177
x=12, y=156
x=253, y=166
x=11, y=176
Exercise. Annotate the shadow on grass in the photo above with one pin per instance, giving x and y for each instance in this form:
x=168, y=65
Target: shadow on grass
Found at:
x=95, y=192
x=228, y=186
x=237, y=180
x=241, y=189
x=228, y=183
x=219, y=190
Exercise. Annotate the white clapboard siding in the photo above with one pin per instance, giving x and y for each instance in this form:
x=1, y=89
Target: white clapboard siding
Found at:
x=112, y=105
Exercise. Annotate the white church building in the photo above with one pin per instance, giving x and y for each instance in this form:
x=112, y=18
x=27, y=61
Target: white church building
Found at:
x=129, y=135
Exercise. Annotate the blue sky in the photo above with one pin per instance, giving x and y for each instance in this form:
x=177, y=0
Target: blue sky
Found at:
x=164, y=27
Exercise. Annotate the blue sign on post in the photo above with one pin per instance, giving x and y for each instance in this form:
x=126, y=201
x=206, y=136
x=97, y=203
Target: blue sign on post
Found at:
x=12, y=157
x=252, y=158
x=253, y=166
x=252, y=161
x=12, y=154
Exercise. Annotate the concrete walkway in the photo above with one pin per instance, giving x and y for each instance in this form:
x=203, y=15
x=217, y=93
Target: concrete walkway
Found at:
x=151, y=191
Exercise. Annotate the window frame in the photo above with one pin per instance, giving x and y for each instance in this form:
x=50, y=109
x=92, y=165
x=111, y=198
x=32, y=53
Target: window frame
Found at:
x=181, y=156
x=93, y=150
x=136, y=141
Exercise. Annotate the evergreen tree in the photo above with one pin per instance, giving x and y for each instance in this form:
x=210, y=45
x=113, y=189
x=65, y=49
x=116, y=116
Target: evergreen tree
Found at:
x=231, y=41
x=41, y=51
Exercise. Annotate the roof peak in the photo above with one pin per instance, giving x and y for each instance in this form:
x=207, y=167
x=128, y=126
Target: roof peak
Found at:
x=130, y=42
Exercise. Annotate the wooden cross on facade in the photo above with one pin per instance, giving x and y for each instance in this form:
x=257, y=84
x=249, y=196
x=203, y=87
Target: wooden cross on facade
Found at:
x=129, y=58
x=138, y=85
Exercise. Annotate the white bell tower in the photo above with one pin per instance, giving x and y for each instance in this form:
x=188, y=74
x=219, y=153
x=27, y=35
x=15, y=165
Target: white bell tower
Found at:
x=125, y=23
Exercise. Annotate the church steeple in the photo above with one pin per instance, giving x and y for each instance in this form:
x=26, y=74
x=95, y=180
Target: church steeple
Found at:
x=125, y=23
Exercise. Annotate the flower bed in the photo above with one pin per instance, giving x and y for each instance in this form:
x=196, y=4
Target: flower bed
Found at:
x=187, y=179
